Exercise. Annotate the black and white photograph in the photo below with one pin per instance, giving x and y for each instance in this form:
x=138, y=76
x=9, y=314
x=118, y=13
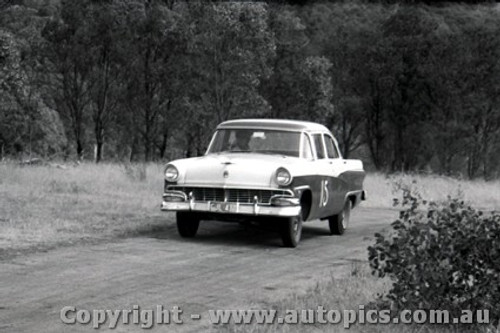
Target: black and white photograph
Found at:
x=249, y=166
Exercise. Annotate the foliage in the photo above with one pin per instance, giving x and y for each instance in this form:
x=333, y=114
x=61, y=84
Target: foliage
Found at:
x=345, y=34
x=232, y=49
x=152, y=45
x=300, y=86
x=407, y=87
x=440, y=256
x=26, y=122
x=229, y=53
x=66, y=55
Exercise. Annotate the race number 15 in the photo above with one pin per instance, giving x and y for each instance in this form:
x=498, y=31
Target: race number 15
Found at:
x=324, y=193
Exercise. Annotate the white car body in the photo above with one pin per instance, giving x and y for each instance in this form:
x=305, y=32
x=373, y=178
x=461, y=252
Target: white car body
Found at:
x=253, y=184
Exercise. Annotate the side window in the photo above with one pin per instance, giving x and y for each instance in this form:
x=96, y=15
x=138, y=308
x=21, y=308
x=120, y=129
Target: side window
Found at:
x=320, y=149
x=331, y=149
x=306, y=150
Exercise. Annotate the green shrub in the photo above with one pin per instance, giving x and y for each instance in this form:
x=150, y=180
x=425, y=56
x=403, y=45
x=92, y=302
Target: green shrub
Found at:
x=442, y=256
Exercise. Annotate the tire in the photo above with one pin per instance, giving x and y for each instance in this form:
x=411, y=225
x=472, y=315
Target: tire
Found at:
x=339, y=223
x=187, y=224
x=291, y=231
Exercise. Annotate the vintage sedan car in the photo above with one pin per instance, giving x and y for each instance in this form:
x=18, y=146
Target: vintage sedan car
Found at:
x=264, y=170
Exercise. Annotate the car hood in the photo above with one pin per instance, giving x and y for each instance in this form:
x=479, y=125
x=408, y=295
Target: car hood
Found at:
x=247, y=170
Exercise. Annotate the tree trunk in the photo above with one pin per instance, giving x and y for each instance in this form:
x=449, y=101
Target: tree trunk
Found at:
x=79, y=149
x=374, y=123
x=163, y=147
x=99, y=138
x=133, y=148
x=98, y=151
x=147, y=150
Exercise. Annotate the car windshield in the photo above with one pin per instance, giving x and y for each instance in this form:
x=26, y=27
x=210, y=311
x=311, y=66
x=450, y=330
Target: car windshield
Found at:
x=256, y=141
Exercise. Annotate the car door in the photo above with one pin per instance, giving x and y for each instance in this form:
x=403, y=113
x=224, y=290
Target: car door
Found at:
x=323, y=182
x=337, y=167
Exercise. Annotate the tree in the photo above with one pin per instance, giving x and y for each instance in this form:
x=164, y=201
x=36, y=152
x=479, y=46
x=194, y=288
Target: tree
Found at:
x=463, y=90
x=104, y=28
x=300, y=86
x=153, y=42
x=27, y=124
x=10, y=119
x=229, y=52
x=67, y=60
x=344, y=34
x=482, y=94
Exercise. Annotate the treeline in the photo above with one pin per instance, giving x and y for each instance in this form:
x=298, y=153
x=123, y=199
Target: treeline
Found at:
x=406, y=87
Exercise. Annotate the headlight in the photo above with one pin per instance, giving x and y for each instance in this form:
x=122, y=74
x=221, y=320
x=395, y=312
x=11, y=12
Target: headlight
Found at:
x=283, y=177
x=171, y=173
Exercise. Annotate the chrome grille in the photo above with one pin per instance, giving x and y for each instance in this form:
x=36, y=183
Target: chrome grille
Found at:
x=232, y=195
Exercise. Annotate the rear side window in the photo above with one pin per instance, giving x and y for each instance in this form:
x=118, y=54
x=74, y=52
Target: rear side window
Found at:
x=318, y=143
x=331, y=149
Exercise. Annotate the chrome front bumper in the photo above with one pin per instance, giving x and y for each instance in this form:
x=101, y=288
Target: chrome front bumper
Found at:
x=280, y=206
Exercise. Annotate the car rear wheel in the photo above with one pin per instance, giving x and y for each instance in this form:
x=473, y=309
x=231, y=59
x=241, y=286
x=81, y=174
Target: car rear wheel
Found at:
x=339, y=223
x=291, y=231
x=187, y=224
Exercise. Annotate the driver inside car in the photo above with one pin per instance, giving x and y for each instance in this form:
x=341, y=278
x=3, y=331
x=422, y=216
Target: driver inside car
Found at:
x=241, y=142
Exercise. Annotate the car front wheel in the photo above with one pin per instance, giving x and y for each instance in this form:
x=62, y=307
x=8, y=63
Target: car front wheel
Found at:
x=187, y=224
x=339, y=223
x=291, y=231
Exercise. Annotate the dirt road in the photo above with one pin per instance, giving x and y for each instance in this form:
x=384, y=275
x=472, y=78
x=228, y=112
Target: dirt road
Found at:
x=226, y=267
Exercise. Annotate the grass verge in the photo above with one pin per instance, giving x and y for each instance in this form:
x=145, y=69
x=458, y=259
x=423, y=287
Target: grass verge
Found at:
x=354, y=289
x=42, y=207
x=382, y=189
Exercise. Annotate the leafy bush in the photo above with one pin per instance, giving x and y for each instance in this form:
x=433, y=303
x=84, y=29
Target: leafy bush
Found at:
x=440, y=256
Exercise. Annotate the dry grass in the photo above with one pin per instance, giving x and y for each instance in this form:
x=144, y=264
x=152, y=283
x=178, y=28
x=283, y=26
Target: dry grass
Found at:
x=42, y=207
x=343, y=291
x=382, y=189
x=352, y=289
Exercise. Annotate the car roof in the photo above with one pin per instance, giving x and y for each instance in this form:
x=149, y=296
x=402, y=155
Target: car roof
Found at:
x=276, y=124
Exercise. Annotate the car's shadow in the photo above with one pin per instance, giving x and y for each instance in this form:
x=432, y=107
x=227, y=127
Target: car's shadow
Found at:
x=238, y=234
